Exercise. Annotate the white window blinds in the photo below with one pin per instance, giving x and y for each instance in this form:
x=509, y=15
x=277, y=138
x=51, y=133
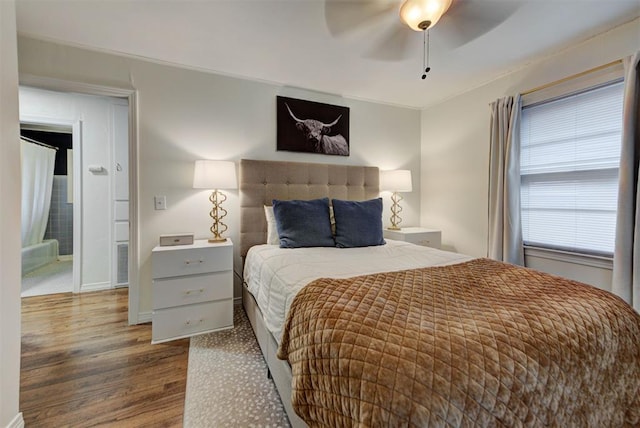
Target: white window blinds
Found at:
x=570, y=153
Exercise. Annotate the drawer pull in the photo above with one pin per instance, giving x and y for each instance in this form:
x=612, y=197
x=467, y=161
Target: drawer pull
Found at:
x=190, y=262
x=200, y=321
x=188, y=292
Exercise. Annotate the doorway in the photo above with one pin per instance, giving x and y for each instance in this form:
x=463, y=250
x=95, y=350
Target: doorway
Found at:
x=47, y=263
x=130, y=96
x=96, y=184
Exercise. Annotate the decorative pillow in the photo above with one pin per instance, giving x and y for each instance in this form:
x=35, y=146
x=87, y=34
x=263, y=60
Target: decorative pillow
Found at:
x=272, y=228
x=358, y=224
x=303, y=223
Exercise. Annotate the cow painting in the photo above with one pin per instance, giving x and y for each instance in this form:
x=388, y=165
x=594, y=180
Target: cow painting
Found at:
x=316, y=133
x=312, y=127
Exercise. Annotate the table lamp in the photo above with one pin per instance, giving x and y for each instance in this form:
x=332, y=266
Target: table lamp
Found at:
x=396, y=181
x=216, y=175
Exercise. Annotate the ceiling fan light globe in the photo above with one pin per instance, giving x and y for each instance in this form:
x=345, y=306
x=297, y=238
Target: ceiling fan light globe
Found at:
x=415, y=13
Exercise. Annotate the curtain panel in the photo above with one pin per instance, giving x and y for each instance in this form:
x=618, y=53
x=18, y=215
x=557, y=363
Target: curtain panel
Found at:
x=626, y=256
x=505, y=228
x=38, y=163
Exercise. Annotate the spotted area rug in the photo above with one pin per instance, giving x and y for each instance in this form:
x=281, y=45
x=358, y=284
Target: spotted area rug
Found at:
x=227, y=383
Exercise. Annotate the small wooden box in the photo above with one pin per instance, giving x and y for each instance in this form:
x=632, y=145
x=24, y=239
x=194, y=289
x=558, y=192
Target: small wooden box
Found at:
x=176, y=239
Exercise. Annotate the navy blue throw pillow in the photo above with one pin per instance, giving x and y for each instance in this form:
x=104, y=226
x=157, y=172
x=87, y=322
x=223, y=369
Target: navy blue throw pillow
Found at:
x=303, y=223
x=358, y=224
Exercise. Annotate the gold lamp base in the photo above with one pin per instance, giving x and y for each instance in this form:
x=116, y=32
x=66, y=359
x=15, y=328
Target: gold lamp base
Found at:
x=217, y=214
x=396, y=209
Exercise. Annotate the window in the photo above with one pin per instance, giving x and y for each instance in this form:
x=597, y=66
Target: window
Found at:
x=569, y=160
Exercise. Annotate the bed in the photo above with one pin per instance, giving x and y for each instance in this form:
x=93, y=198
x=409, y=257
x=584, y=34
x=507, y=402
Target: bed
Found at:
x=401, y=335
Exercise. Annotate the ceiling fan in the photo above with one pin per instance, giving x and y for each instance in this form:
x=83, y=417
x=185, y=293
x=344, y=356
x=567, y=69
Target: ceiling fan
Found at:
x=459, y=21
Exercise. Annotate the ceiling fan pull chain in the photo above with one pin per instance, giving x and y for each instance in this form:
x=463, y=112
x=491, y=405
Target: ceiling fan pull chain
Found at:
x=425, y=52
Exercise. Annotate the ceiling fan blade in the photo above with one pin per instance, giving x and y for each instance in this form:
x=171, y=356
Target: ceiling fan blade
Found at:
x=394, y=45
x=467, y=20
x=343, y=16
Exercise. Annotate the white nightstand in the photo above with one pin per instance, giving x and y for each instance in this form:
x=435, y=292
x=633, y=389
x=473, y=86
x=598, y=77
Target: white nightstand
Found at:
x=192, y=289
x=416, y=235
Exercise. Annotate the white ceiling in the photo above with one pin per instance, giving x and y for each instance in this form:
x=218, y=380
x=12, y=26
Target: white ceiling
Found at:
x=289, y=42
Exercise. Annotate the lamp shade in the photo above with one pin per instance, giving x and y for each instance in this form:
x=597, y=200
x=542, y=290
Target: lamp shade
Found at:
x=420, y=15
x=213, y=174
x=398, y=180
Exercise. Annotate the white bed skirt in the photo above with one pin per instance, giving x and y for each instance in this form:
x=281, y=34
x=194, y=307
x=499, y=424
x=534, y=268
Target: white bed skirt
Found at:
x=279, y=369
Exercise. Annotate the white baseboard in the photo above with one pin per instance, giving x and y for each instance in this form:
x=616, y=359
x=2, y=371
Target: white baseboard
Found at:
x=144, y=317
x=96, y=286
x=237, y=300
x=17, y=422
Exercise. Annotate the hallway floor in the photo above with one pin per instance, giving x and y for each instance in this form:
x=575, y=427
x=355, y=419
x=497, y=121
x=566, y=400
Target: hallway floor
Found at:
x=53, y=278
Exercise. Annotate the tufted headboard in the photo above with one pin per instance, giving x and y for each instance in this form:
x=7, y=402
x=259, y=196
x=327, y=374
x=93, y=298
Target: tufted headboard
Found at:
x=263, y=181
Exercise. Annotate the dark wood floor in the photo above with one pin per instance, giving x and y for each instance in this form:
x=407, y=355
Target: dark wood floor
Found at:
x=83, y=365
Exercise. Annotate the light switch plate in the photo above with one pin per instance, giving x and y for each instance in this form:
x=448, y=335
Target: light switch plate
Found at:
x=160, y=202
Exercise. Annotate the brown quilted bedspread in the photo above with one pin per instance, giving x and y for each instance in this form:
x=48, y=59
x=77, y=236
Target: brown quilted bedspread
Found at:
x=481, y=343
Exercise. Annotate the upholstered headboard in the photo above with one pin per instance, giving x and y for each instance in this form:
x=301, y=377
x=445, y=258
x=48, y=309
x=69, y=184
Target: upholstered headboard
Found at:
x=263, y=181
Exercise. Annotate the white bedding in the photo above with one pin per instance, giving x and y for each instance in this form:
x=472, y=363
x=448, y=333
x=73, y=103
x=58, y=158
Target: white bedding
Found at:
x=274, y=275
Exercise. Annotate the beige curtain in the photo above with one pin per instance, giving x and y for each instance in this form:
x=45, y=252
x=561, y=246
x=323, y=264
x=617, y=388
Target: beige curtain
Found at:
x=505, y=228
x=626, y=257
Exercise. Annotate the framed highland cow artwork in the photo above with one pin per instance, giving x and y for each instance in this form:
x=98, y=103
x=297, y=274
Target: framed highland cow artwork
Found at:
x=308, y=126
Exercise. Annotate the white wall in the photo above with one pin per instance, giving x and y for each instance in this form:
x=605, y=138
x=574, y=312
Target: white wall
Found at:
x=97, y=129
x=455, y=146
x=9, y=221
x=184, y=115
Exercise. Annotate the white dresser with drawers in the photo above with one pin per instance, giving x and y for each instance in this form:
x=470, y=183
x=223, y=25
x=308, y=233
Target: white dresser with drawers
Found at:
x=192, y=289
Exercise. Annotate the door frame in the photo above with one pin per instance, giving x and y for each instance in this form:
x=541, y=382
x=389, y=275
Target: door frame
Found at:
x=131, y=94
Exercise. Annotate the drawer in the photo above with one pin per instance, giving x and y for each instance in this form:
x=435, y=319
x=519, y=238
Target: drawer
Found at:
x=121, y=210
x=183, y=261
x=431, y=239
x=415, y=235
x=122, y=231
x=183, y=321
x=178, y=291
